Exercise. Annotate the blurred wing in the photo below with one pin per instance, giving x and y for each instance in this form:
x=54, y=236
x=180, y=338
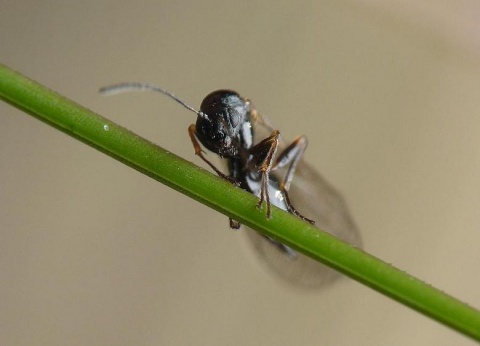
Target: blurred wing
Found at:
x=316, y=199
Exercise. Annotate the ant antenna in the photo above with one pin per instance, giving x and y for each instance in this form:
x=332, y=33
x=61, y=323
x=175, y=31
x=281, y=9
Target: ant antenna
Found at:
x=126, y=87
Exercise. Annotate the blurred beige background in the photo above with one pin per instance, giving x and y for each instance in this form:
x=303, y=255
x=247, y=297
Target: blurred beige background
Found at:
x=94, y=253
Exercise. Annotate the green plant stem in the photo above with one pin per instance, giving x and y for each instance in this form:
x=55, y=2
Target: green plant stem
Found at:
x=208, y=189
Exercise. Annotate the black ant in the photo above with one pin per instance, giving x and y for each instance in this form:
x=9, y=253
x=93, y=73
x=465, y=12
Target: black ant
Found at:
x=225, y=127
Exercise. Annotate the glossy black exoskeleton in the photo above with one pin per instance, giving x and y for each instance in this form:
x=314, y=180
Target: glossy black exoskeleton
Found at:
x=224, y=126
x=227, y=125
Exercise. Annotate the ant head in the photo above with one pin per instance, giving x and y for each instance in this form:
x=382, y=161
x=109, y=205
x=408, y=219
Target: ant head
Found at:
x=223, y=122
x=222, y=129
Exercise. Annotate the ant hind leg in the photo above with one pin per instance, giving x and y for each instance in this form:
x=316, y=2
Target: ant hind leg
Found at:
x=290, y=157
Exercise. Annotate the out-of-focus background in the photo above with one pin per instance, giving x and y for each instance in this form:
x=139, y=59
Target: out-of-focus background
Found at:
x=94, y=253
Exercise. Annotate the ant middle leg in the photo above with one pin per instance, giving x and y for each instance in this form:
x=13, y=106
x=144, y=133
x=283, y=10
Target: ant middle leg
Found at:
x=261, y=158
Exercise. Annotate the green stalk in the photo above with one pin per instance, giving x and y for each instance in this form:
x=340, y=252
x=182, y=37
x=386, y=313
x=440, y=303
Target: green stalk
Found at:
x=210, y=190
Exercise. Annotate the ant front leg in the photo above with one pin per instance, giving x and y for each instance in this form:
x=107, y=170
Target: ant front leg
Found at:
x=192, y=130
x=261, y=158
x=291, y=156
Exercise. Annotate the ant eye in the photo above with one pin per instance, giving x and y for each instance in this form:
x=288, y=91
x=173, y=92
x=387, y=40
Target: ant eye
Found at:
x=234, y=117
x=234, y=120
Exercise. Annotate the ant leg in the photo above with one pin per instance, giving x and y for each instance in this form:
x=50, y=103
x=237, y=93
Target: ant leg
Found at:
x=234, y=224
x=262, y=156
x=199, y=152
x=291, y=156
x=292, y=209
x=264, y=194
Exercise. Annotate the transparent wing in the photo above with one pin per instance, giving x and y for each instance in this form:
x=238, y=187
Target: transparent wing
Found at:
x=316, y=199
